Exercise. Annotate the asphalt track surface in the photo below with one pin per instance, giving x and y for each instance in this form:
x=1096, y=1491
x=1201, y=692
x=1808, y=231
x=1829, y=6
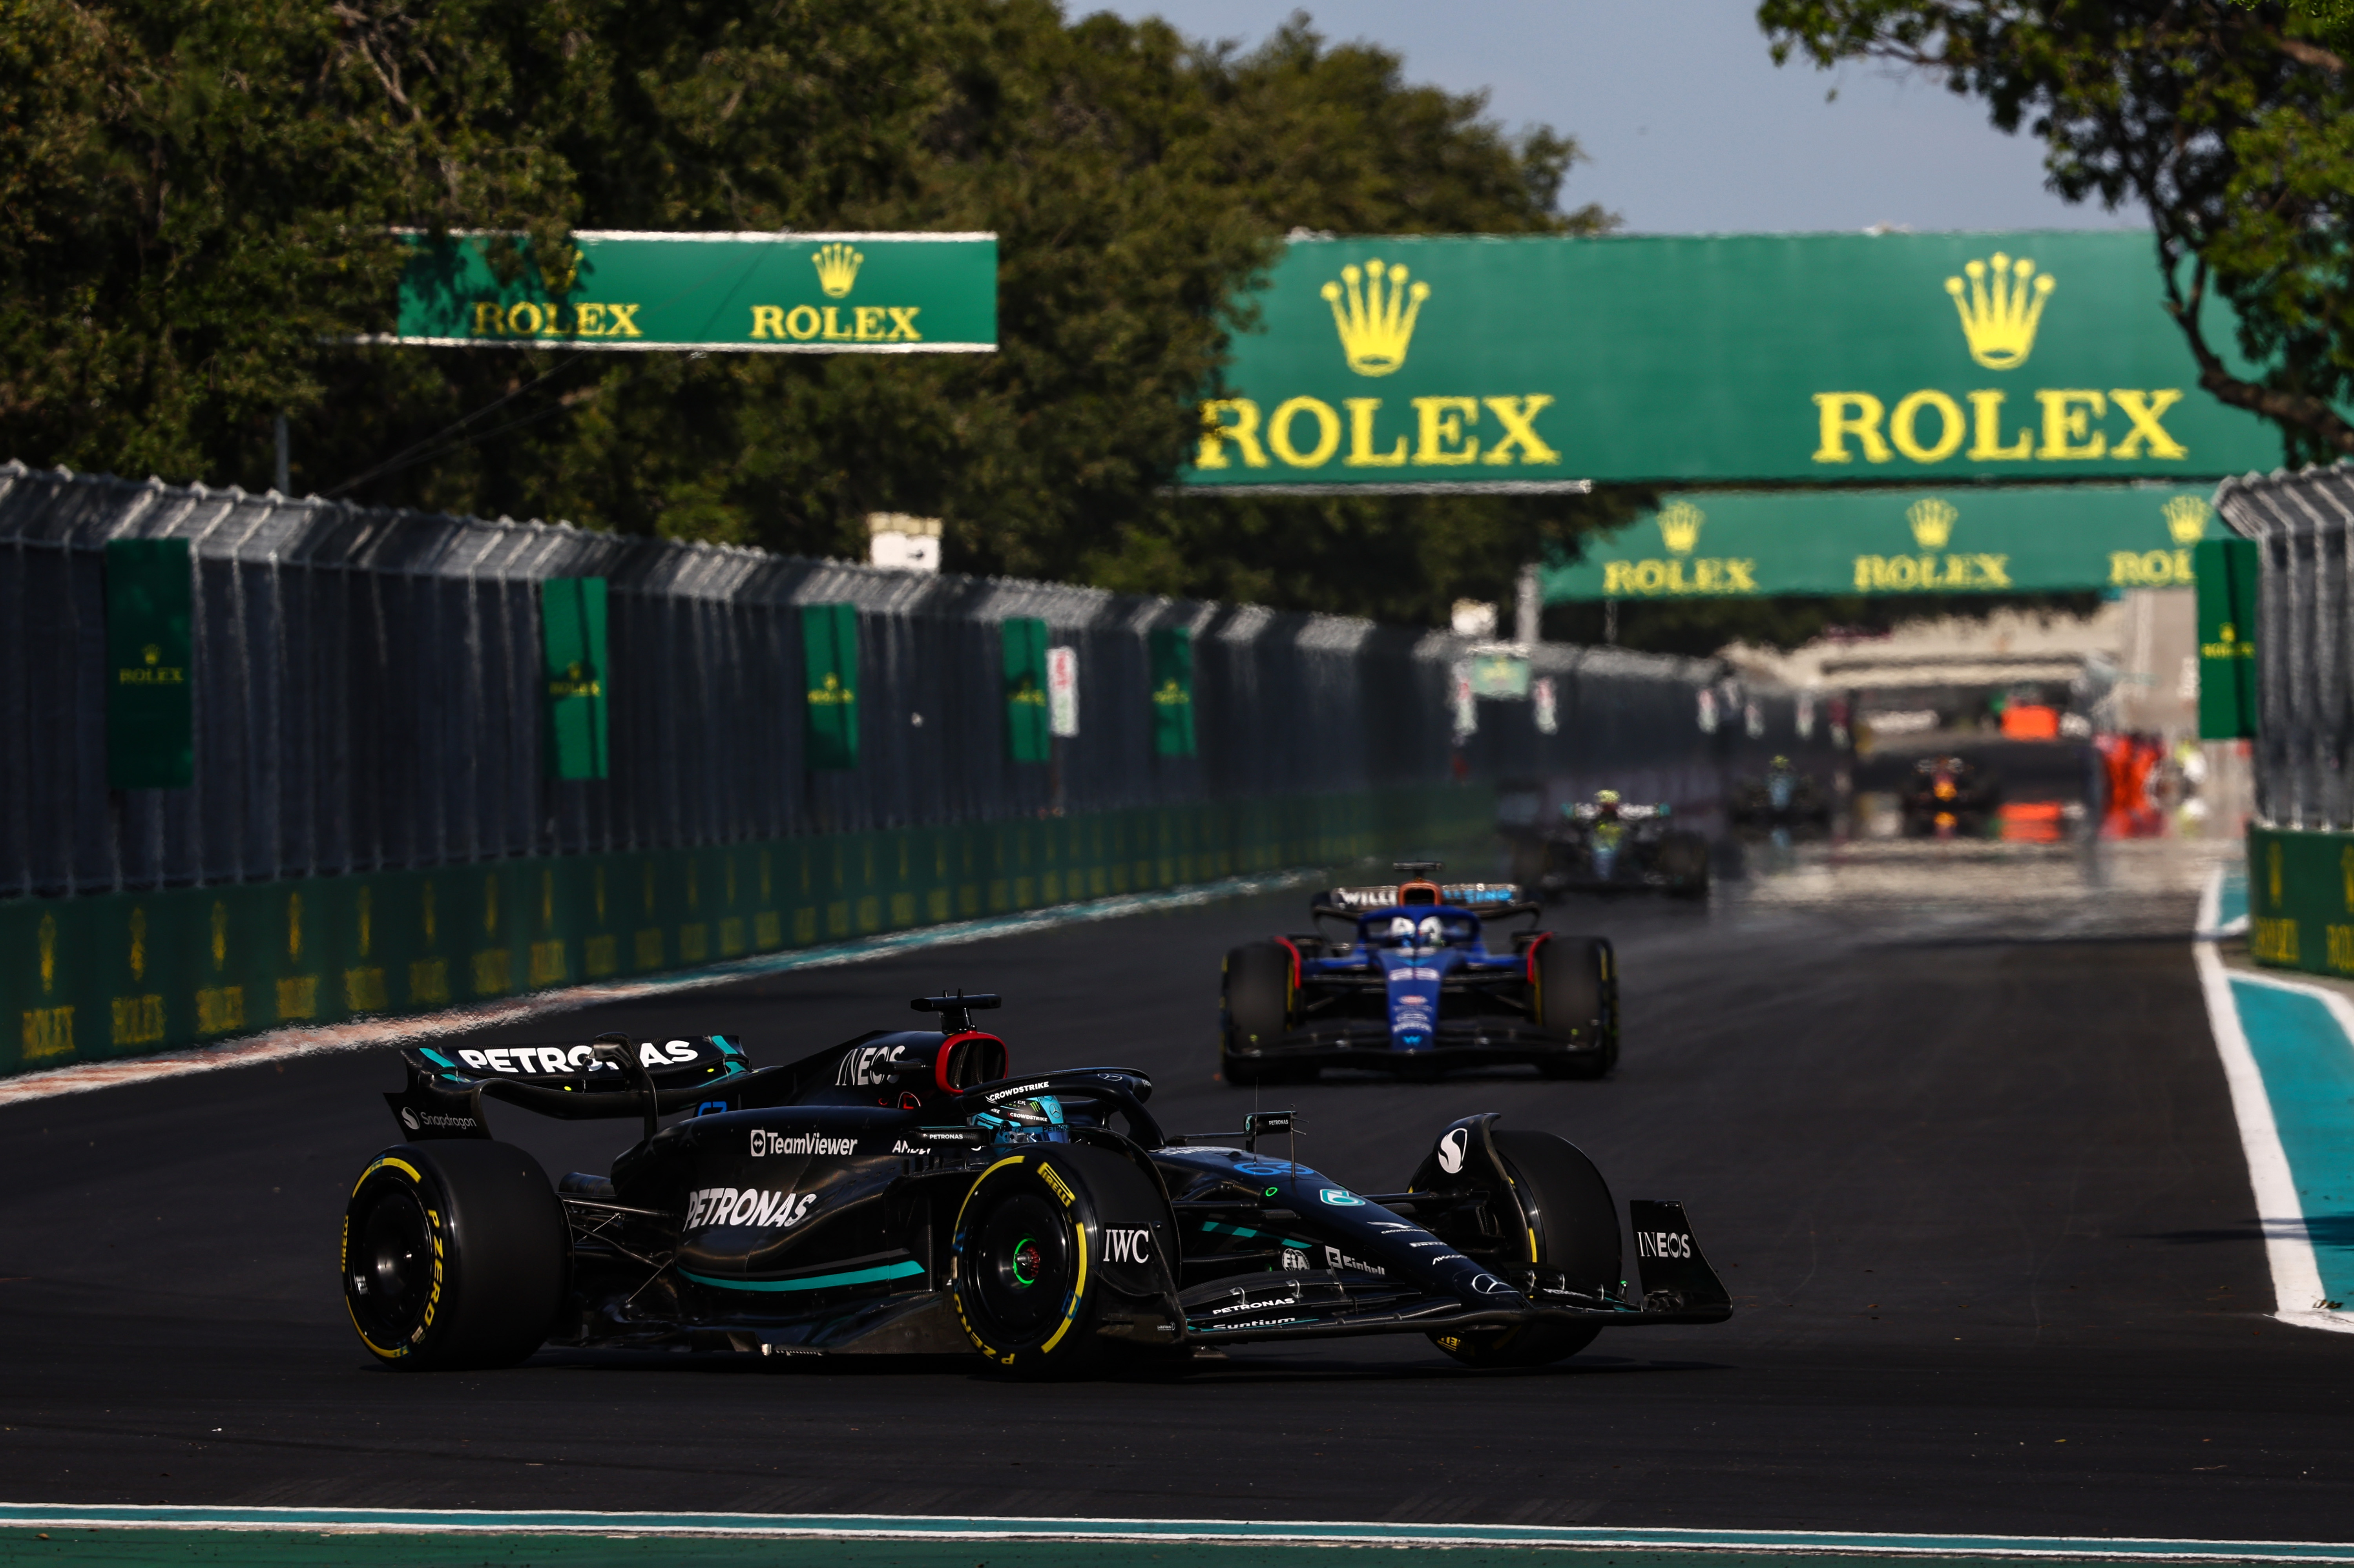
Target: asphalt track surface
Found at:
x=1948, y=1118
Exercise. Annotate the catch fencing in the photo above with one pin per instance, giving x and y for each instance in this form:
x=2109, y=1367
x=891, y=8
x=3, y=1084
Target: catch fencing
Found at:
x=366, y=698
x=2305, y=642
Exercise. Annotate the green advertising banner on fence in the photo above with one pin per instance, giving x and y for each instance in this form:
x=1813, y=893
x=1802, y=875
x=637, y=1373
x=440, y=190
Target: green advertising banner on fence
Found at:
x=829, y=664
x=762, y=293
x=572, y=648
x=1028, y=733
x=150, y=705
x=1964, y=539
x=84, y=979
x=2227, y=639
x=1493, y=363
x=1171, y=649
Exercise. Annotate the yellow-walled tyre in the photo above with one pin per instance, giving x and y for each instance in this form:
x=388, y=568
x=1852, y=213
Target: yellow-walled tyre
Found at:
x=1061, y=1255
x=455, y=1255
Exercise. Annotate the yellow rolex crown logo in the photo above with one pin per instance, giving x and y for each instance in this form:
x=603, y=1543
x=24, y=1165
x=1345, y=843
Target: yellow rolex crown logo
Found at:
x=2186, y=518
x=1374, y=330
x=837, y=268
x=1679, y=526
x=1999, y=307
x=1933, y=522
x=152, y=654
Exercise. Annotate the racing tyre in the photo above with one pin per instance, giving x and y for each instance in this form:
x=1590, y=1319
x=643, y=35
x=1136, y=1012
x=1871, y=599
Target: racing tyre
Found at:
x=1566, y=1206
x=1257, y=1005
x=1577, y=996
x=455, y=1255
x=1061, y=1258
x=1684, y=859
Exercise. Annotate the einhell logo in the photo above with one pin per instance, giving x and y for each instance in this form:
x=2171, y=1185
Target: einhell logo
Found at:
x=1999, y=316
x=1999, y=302
x=1375, y=333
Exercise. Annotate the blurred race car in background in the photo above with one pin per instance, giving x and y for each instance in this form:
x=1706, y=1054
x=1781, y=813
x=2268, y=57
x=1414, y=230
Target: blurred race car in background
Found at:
x=1783, y=798
x=1946, y=791
x=1419, y=982
x=1608, y=845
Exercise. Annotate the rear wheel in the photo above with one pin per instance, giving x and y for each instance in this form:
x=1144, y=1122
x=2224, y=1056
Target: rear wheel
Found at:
x=1575, y=998
x=1566, y=1206
x=454, y=1255
x=1258, y=1003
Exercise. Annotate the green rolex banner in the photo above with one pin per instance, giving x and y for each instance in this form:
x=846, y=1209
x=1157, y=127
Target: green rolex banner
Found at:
x=150, y=714
x=1173, y=691
x=830, y=662
x=572, y=648
x=2227, y=638
x=1027, y=733
x=1958, y=539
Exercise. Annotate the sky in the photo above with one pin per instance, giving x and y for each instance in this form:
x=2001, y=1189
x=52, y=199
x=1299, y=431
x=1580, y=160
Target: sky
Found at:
x=1691, y=127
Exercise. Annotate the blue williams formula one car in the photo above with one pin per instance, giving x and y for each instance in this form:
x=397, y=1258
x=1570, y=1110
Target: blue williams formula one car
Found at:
x=900, y=1193
x=1415, y=987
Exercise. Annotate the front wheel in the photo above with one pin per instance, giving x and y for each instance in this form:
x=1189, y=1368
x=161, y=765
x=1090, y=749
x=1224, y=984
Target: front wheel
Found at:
x=1576, y=999
x=454, y=1255
x=1061, y=1256
x=1566, y=1211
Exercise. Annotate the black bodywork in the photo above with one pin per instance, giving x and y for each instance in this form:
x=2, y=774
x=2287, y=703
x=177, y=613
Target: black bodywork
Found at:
x=821, y=1207
x=1626, y=849
x=1781, y=798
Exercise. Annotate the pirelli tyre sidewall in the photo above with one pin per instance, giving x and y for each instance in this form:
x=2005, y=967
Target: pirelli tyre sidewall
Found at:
x=455, y=1255
x=1061, y=1256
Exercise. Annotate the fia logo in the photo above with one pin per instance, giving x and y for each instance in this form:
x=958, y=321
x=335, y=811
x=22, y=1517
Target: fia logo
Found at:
x=1452, y=1148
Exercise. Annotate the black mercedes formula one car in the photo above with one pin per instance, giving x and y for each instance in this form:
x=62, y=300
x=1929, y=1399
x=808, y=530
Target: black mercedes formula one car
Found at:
x=1606, y=845
x=1419, y=981
x=900, y=1193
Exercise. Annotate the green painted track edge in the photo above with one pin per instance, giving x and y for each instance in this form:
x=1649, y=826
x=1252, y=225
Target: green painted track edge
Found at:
x=850, y=1527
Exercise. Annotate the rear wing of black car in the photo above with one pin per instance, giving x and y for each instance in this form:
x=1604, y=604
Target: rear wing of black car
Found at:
x=611, y=1077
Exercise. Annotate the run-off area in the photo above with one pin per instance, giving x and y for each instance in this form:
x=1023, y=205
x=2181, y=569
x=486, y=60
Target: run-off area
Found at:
x=1948, y=1118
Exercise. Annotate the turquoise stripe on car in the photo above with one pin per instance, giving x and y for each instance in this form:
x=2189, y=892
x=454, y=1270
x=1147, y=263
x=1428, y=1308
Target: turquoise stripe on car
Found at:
x=815, y=1281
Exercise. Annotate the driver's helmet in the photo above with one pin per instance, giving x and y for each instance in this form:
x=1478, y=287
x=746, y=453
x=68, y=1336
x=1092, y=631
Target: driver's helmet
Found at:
x=1781, y=764
x=1037, y=1121
x=1605, y=804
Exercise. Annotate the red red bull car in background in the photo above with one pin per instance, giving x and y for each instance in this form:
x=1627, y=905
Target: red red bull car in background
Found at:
x=1418, y=978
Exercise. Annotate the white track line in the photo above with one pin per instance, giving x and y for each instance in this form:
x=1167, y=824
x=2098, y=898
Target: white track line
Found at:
x=2288, y=1246
x=372, y=1033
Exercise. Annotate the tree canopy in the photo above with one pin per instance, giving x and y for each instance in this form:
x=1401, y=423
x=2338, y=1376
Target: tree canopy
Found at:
x=2229, y=122
x=197, y=198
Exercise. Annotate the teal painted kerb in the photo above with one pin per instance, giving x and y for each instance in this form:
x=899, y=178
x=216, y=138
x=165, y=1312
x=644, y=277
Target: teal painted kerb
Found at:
x=815, y=1281
x=2308, y=1070
x=937, y=1528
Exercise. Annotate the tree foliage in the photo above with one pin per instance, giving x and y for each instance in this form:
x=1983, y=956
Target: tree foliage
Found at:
x=197, y=200
x=2230, y=122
